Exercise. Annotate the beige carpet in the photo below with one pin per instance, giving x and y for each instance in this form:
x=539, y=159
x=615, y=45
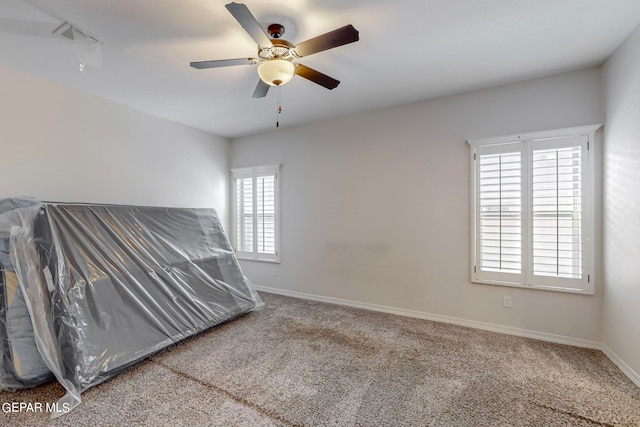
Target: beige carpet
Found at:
x=305, y=363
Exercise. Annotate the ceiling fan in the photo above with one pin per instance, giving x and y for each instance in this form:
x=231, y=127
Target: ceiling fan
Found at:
x=278, y=57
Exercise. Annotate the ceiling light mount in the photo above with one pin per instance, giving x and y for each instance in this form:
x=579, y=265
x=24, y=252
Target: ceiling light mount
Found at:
x=275, y=30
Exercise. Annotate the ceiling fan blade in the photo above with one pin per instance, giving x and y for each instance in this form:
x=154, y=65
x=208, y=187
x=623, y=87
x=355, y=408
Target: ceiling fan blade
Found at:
x=223, y=63
x=249, y=23
x=261, y=90
x=316, y=77
x=335, y=38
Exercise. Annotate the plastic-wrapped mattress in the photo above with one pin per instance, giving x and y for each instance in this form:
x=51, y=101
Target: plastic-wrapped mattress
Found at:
x=20, y=363
x=113, y=284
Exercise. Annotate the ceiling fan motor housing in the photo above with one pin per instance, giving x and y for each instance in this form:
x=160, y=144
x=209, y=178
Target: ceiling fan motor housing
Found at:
x=281, y=49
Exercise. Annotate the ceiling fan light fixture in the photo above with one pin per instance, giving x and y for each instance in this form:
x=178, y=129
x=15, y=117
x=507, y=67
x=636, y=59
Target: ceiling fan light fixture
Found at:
x=276, y=72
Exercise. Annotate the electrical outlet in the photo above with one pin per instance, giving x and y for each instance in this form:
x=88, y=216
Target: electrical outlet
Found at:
x=275, y=271
x=506, y=301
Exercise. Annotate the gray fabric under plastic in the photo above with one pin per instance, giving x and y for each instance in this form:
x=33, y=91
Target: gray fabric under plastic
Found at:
x=107, y=286
x=21, y=365
x=24, y=361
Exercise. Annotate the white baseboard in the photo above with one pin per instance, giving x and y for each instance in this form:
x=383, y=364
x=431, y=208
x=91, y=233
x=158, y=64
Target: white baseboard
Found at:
x=628, y=371
x=560, y=339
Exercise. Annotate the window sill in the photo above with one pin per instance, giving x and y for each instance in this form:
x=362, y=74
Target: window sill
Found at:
x=267, y=260
x=537, y=287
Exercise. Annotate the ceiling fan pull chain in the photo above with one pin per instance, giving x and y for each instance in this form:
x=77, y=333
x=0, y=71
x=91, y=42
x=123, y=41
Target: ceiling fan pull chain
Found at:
x=279, y=109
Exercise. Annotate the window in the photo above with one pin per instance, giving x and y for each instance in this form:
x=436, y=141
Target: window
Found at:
x=532, y=203
x=256, y=213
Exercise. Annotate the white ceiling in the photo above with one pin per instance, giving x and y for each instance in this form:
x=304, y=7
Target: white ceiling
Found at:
x=409, y=50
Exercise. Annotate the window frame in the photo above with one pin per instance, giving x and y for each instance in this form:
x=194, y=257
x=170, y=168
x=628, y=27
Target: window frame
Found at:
x=254, y=172
x=526, y=143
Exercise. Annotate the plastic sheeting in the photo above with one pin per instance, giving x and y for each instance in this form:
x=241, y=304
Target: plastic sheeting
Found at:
x=88, y=49
x=21, y=365
x=107, y=286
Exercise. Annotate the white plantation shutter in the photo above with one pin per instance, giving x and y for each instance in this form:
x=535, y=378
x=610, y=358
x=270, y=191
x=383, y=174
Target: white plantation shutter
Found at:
x=244, y=214
x=532, y=209
x=499, y=226
x=266, y=214
x=557, y=209
x=500, y=212
x=256, y=212
x=558, y=217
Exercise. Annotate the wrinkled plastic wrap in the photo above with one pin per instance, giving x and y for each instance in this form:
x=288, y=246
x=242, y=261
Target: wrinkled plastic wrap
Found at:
x=108, y=286
x=21, y=365
x=88, y=49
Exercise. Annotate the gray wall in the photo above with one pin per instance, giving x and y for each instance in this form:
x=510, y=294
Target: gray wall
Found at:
x=60, y=144
x=376, y=206
x=621, y=305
